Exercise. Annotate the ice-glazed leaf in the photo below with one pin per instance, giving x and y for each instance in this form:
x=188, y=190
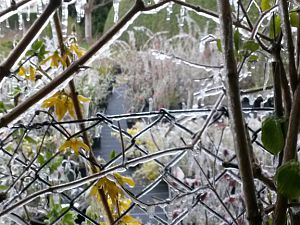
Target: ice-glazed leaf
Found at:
x=22, y=71
x=265, y=5
x=129, y=220
x=62, y=103
x=272, y=135
x=288, y=179
x=124, y=180
x=81, y=98
x=110, y=189
x=77, y=50
x=74, y=143
x=32, y=72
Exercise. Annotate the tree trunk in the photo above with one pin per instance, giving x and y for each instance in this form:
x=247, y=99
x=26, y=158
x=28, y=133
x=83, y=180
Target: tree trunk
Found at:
x=236, y=117
x=88, y=21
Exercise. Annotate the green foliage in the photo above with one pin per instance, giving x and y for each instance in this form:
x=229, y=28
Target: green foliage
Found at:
x=265, y=5
x=294, y=19
x=274, y=26
x=112, y=154
x=272, y=134
x=38, y=48
x=56, y=210
x=2, y=107
x=237, y=40
x=3, y=187
x=288, y=179
x=250, y=46
x=160, y=23
x=219, y=45
x=99, y=17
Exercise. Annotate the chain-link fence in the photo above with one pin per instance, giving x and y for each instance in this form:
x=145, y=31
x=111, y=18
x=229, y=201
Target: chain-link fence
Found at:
x=182, y=162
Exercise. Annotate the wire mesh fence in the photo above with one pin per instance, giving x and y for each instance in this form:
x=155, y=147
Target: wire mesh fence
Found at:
x=186, y=156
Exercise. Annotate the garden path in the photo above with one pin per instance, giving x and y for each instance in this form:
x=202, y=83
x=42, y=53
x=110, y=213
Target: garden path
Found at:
x=108, y=143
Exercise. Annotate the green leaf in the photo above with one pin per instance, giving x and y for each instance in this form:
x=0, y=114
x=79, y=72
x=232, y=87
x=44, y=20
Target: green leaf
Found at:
x=272, y=135
x=42, y=53
x=17, y=90
x=112, y=154
x=288, y=179
x=30, y=140
x=236, y=39
x=250, y=45
x=294, y=20
x=253, y=58
x=274, y=26
x=56, y=163
x=40, y=159
x=37, y=44
x=2, y=107
x=219, y=45
x=3, y=188
x=30, y=52
x=265, y=5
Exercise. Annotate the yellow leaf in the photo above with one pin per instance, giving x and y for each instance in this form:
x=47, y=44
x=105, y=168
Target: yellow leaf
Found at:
x=32, y=71
x=129, y=220
x=124, y=180
x=124, y=204
x=55, y=59
x=63, y=61
x=61, y=107
x=49, y=102
x=71, y=108
x=110, y=188
x=22, y=71
x=74, y=143
x=62, y=103
x=77, y=50
x=81, y=98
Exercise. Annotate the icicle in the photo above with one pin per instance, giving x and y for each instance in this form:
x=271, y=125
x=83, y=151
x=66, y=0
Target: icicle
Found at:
x=116, y=4
x=182, y=16
x=7, y=24
x=45, y=2
x=64, y=19
x=1, y=34
x=169, y=11
x=78, y=11
x=39, y=7
x=54, y=34
x=28, y=13
x=83, y=2
x=20, y=21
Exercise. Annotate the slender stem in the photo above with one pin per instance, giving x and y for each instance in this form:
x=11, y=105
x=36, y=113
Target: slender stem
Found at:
x=238, y=127
x=79, y=115
x=285, y=24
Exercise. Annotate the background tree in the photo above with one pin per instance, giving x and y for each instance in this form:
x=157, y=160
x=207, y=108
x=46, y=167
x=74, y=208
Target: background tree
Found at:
x=250, y=32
